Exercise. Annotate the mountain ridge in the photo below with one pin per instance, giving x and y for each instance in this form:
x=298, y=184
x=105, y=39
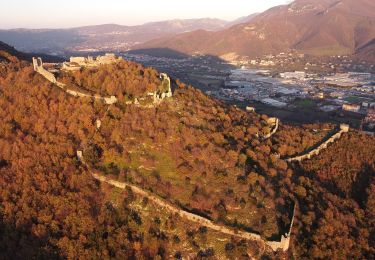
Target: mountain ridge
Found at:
x=107, y=37
x=324, y=27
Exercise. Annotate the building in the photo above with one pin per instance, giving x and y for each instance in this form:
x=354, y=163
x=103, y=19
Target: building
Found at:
x=250, y=109
x=273, y=102
x=76, y=63
x=351, y=107
x=300, y=75
x=319, y=95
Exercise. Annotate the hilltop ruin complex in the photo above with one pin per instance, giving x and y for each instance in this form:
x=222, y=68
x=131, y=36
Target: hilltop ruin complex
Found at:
x=38, y=67
x=76, y=63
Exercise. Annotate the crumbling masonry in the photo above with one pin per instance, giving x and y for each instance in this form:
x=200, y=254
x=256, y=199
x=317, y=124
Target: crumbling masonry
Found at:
x=38, y=67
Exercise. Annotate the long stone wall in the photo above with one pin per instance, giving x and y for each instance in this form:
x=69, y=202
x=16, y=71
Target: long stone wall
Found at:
x=156, y=96
x=285, y=239
x=283, y=244
x=38, y=67
x=343, y=129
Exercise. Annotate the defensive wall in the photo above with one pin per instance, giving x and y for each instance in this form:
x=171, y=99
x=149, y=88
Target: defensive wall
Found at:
x=343, y=129
x=38, y=67
x=274, y=122
x=157, y=96
x=285, y=239
x=283, y=244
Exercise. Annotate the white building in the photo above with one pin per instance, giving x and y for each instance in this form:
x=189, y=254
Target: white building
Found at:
x=273, y=102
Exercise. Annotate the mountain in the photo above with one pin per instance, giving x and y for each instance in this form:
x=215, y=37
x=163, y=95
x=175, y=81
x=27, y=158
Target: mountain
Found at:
x=323, y=27
x=367, y=52
x=101, y=37
x=244, y=19
x=9, y=53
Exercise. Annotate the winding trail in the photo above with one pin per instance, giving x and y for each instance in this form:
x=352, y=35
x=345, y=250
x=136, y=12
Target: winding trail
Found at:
x=192, y=217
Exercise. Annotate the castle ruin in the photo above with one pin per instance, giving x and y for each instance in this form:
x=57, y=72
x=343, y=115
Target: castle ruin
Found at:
x=164, y=91
x=274, y=123
x=76, y=63
x=38, y=67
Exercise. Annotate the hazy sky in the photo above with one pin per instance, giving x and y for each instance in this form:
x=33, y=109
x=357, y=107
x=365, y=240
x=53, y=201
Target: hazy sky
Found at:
x=71, y=13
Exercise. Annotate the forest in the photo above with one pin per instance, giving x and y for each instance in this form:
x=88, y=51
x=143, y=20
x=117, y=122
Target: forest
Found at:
x=191, y=150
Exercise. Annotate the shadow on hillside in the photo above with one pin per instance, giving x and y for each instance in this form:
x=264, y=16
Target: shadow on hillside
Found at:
x=16, y=243
x=205, y=72
x=160, y=53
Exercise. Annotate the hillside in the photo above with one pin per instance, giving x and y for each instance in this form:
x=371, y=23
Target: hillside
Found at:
x=106, y=37
x=191, y=151
x=324, y=27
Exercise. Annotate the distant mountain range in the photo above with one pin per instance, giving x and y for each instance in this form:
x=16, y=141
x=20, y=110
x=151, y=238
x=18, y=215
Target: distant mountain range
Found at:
x=9, y=53
x=318, y=27
x=107, y=37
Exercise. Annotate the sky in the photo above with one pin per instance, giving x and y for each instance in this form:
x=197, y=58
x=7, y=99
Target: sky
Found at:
x=73, y=13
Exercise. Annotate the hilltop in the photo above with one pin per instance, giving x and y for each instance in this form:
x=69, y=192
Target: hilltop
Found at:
x=324, y=27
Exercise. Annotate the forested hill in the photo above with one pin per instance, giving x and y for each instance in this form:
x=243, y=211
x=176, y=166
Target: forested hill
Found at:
x=193, y=151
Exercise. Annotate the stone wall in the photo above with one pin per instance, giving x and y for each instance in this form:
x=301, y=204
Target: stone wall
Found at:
x=157, y=96
x=273, y=121
x=283, y=244
x=343, y=129
x=77, y=63
x=38, y=67
x=285, y=239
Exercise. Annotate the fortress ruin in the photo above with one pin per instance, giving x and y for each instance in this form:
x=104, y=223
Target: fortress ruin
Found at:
x=38, y=67
x=273, y=122
x=76, y=63
x=162, y=92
